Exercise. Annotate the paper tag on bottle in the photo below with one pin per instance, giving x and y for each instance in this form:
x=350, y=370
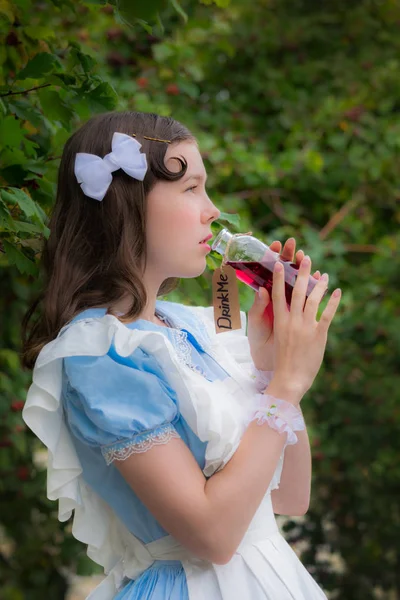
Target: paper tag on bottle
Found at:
x=226, y=300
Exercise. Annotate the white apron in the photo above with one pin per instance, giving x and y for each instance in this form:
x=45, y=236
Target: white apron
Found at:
x=264, y=566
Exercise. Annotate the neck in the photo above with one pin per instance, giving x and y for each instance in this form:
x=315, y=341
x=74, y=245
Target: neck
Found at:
x=152, y=283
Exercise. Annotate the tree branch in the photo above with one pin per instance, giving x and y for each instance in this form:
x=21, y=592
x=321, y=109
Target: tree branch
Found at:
x=338, y=217
x=10, y=93
x=361, y=248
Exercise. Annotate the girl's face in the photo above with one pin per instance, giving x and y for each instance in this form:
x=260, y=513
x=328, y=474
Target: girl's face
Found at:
x=179, y=215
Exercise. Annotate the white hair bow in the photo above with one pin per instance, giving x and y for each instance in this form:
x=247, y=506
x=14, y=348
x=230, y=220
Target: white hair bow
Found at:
x=95, y=173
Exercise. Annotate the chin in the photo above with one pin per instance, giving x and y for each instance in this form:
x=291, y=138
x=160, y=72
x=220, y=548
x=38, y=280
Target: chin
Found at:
x=191, y=274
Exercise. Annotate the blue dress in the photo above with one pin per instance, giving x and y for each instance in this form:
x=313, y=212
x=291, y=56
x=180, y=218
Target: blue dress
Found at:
x=115, y=406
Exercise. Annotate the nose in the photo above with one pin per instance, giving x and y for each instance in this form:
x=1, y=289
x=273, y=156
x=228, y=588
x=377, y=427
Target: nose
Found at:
x=213, y=214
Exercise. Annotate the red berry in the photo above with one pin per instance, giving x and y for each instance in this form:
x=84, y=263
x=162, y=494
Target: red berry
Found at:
x=17, y=405
x=355, y=113
x=23, y=473
x=114, y=33
x=142, y=82
x=172, y=89
x=116, y=59
x=6, y=443
x=12, y=39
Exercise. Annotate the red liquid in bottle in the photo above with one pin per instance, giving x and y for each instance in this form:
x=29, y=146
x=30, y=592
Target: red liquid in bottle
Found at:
x=256, y=274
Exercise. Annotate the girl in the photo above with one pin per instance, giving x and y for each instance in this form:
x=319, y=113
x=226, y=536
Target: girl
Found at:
x=172, y=455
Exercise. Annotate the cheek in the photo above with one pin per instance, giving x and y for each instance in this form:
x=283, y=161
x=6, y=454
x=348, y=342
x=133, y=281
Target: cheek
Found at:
x=180, y=219
x=170, y=227
x=187, y=214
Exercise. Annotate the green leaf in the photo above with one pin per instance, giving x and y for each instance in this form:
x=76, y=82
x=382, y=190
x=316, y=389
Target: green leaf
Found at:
x=17, y=258
x=141, y=9
x=11, y=133
x=20, y=226
x=86, y=61
x=54, y=107
x=7, y=9
x=30, y=148
x=162, y=52
x=12, y=156
x=232, y=219
x=9, y=359
x=63, y=79
x=39, y=32
x=40, y=65
x=6, y=221
x=103, y=96
x=19, y=106
x=143, y=24
x=25, y=202
x=179, y=10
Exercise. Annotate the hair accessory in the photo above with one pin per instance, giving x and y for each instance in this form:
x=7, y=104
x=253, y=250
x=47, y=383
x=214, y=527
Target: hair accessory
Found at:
x=145, y=137
x=280, y=415
x=94, y=174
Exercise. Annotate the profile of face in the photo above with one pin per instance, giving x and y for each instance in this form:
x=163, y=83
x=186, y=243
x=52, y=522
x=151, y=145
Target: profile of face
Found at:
x=179, y=215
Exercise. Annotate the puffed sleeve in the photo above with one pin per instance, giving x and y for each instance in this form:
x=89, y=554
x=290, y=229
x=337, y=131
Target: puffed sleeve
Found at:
x=122, y=405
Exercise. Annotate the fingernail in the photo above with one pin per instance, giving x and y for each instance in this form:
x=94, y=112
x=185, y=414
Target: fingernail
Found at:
x=260, y=292
x=306, y=261
x=324, y=277
x=337, y=293
x=278, y=267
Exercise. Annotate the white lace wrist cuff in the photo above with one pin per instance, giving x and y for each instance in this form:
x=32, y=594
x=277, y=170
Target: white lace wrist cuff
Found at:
x=280, y=415
x=262, y=378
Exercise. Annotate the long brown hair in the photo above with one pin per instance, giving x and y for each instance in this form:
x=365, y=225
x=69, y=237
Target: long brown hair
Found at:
x=96, y=250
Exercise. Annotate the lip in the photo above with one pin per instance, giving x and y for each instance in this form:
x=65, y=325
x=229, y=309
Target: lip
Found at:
x=206, y=239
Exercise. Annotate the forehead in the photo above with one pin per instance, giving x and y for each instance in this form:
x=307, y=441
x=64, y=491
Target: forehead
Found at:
x=187, y=150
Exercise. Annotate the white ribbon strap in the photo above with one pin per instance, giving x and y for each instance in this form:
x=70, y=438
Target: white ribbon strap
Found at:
x=94, y=174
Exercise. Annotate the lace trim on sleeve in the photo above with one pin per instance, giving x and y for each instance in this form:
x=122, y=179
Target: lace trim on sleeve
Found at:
x=122, y=450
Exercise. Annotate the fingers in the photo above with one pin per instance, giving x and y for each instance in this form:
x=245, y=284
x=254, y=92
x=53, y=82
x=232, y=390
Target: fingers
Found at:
x=276, y=246
x=278, y=293
x=300, y=287
x=329, y=312
x=299, y=256
x=314, y=299
x=289, y=249
x=261, y=301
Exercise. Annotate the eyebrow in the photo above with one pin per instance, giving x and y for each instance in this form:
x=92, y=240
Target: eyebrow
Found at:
x=197, y=177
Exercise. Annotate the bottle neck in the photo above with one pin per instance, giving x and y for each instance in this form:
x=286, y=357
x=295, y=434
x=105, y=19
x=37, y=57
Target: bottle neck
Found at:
x=221, y=241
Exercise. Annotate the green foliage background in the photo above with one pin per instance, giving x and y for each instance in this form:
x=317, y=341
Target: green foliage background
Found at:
x=296, y=107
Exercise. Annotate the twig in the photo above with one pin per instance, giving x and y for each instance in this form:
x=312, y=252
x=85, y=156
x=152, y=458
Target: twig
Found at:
x=338, y=217
x=361, y=248
x=10, y=93
x=245, y=194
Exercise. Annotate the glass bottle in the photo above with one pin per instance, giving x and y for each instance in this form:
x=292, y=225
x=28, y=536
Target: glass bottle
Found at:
x=254, y=262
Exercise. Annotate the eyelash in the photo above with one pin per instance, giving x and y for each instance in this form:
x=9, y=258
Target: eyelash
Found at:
x=192, y=188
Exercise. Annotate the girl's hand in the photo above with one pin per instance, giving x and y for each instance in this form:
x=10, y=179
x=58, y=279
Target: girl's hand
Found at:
x=260, y=329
